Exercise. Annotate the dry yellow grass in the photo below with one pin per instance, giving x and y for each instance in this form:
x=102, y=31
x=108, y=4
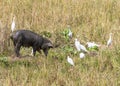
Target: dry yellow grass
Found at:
x=90, y=20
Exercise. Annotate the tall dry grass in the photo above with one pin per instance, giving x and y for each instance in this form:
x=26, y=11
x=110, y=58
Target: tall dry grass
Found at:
x=90, y=20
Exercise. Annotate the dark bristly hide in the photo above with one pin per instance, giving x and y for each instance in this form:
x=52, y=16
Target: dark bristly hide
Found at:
x=28, y=38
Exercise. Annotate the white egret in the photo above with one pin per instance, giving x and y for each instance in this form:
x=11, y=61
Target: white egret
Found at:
x=32, y=53
x=92, y=44
x=70, y=32
x=13, y=24
x=109, y=42
x=82, y=47
x=77, y=45
x=82, y=55
x=70, y=60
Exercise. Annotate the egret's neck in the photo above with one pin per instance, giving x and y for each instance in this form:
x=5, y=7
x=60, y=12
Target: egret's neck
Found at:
x=110, y=36
x=69, y=29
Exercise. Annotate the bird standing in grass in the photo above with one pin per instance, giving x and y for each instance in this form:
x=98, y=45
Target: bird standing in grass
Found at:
x=13, y=24
x=82, y=55
x=70, y=60
x=32, y=53
x=109, y=42
x=92, y=44
x=69, y=32
x=77, y=45
x=83, y=48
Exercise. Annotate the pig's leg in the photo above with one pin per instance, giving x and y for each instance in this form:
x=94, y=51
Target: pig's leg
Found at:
x=14, y=43
x=17, y=49
x=34, y=51
x=45, y=51
x=39, y=51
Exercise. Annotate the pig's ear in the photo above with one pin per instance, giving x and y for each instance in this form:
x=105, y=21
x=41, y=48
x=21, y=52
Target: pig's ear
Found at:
x=47, y=45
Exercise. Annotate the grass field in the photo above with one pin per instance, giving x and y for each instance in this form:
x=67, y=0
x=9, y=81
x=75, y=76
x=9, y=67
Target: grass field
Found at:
x=90, y=20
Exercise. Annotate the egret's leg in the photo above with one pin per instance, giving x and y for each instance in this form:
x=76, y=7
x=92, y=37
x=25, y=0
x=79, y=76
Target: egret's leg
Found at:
x=32, y=53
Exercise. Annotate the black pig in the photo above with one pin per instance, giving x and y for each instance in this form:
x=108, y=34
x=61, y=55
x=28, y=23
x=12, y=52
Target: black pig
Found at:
x=28, y=38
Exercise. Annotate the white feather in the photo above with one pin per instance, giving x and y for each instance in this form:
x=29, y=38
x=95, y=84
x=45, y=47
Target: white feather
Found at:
x=77, y=44
x=92, y=44
x=82, y=55
x=13, y=25
x=70, y=33
x=83, y=48
x=32, y=53
x=109, y=42
x=70, y=60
